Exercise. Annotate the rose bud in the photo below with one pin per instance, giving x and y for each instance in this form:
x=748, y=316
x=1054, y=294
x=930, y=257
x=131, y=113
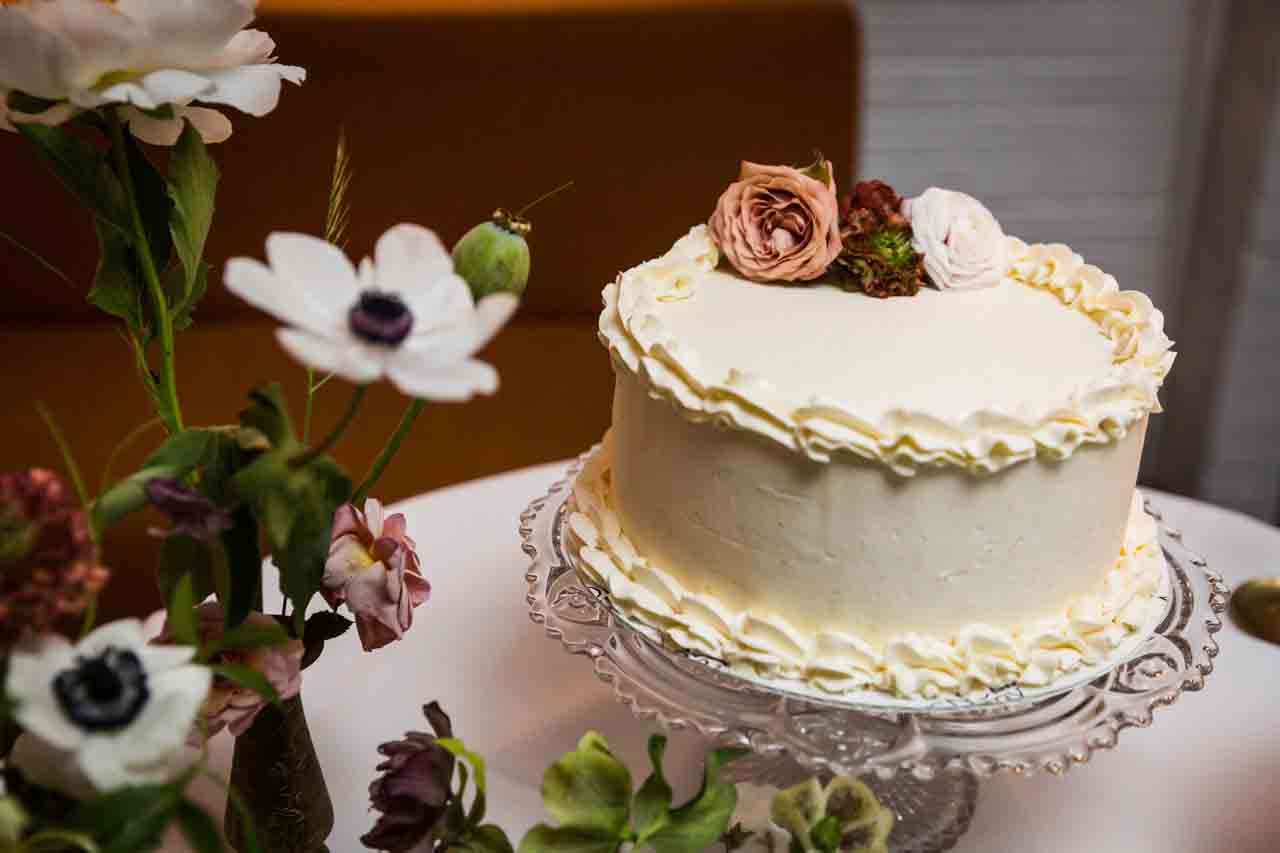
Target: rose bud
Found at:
x=493, y=257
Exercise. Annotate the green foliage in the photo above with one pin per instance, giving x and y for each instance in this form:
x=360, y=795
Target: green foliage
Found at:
x=152, y=195
x=192, y=186
x=246, y=635
x=83, y=170
x=198, y=828
x=178, y=456
x=588, y=792
x=181, y=617
x=247, y=677
x=321, y=627
x=894, y=246
x=129, y=819
x=293, y=503
x=115, y=287
x=243, y=561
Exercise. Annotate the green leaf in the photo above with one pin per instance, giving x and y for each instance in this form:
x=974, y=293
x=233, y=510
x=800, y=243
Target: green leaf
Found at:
x=247, y=677
x=322, y=626
x=182, y=616
x=183, y=296
x=701, y=822
x=589, y=789
x=177, y=457
x=244, y=567
x=568, y=839
x=184, y=557
x=653, y=800
x=128, y=819
x=83, y=170
x=117, y=285
x=269, y=414
x=200, y=830
x=460, y=750
x=489, y=838
x=193, y=183
x=246, y=635
x=153, y=201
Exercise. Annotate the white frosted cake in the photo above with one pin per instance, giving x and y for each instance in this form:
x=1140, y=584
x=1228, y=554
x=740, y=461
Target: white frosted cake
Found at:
x=927, y=493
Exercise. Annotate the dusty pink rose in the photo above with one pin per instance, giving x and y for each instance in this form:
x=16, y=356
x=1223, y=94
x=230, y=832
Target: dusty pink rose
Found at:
x=373, y=566
x=778, y=223
x=229, y=705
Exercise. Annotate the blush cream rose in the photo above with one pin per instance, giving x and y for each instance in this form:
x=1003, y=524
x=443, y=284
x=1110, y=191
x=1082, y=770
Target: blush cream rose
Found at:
x=962, y=243
x=779, y=223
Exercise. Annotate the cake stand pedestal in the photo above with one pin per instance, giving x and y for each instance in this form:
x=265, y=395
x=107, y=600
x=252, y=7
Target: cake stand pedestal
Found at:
x=924, y=763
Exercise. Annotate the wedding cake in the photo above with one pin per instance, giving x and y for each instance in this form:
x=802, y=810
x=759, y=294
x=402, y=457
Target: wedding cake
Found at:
x=874, y=445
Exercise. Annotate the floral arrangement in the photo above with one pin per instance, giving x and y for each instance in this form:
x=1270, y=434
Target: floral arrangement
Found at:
x=424, y=805
x=785, y=224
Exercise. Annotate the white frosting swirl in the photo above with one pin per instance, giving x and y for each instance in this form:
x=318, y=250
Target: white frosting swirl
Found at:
x=1099, y=410
x=979, y=657
x=962, y=243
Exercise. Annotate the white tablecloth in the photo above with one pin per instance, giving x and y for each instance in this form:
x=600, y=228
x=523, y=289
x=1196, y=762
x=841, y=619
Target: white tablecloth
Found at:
x=1204, y=777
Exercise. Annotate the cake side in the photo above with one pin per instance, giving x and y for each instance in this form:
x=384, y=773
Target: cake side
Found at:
x=1109, y=389
x=691, y=610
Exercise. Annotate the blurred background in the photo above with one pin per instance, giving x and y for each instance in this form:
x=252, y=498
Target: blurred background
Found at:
x=1142, y=133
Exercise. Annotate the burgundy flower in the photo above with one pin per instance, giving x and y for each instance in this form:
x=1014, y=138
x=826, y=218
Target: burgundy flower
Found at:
x=48, y=563
x=414, y=789
x=192, y=513
x=374, y=567
x=778, y=223
x=230, y=705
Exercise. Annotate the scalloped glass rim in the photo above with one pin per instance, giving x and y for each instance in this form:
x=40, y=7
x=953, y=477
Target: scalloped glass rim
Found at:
x=1050, y=732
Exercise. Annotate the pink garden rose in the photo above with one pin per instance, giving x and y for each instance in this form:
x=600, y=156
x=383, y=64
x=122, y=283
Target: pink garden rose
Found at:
x=373, y=566
x=778, y=223
x=228, y=704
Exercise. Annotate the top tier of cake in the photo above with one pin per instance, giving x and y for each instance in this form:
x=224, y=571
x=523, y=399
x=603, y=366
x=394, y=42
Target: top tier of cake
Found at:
x=1053, y=357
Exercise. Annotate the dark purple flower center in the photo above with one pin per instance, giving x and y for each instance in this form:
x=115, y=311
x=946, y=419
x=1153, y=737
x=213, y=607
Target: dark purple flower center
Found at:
x=380, y=318
x=105, y=692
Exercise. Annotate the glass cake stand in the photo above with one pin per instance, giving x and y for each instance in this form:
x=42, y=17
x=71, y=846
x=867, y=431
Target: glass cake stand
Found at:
x=923, y=763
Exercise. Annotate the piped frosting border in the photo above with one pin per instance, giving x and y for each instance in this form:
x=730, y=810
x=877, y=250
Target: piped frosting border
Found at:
x=978, y=659
x=986, y=441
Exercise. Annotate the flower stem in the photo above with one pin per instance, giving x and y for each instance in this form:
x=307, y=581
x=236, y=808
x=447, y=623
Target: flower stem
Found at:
x=393, y=444
x=306, y=409
x=69, y=461
x=171, y=411
x=334, y=434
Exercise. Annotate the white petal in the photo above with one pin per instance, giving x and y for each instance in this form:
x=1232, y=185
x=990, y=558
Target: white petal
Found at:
x=30, y=683
x=253, y=89
x=125, y=92
x=161, y=658
x=373, y=516
x=93, y=38
x=45, y=765
x=287, y=300
x=166, y=718
x=31, y=58
x=454, y=383
x=185, y=31
x=409, y=257
x=320, y=269
x=52, y=117
x=120, y=634
x=213, y=126
x=341, y=356
x=492, y=313
x=153, y=130
x=173, y=86
x=247, y=47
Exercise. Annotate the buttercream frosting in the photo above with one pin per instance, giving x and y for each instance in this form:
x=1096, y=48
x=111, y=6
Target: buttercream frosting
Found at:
x=1047, y=380
x=976, y=658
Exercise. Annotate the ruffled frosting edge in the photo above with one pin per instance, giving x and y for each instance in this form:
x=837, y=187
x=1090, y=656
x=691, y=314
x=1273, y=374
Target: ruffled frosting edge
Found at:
x=977, y=660
x=1099, y=411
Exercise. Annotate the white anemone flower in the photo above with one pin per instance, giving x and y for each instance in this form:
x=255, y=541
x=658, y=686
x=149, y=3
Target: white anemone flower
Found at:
x=405, y=314
x=153, y=57
x=108, y=711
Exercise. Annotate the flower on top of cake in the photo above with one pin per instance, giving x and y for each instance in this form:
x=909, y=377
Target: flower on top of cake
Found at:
x=784, y=224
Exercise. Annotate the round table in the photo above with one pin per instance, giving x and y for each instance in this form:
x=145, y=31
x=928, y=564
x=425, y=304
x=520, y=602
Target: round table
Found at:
x=1202, y=777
